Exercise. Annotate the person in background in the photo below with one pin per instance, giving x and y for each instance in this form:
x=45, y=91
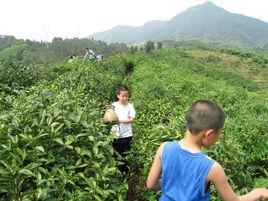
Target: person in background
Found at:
x=72, y=57
x=123, y=130
x=90, y=55
x=99, y=57
x=186, y=171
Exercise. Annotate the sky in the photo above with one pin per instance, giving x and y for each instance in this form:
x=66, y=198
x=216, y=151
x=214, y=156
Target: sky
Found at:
x=45, y=19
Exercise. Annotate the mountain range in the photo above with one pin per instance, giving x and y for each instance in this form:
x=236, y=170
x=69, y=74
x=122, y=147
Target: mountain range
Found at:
x=204, y=23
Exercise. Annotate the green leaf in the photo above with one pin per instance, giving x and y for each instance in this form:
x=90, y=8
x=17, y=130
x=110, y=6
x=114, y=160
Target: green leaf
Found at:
x=59, y=140
x=40, y=148
x=95, y=150
x=54, y=124
x=14, y=139
x=49, y=120
x=27, y=172
x=82, y=135
x=15, y=122
x=86, y=152
x=85, y=124
x=91, y=138
x=78, y=150
x=97, y=197
x=21, y=152
x=43, y=117
x=70, y=140
x=32, y=166
x=43, y=135
x=59, y=127
x=82, y=165
x=4, y=117
x=6, y=165
x=24, y=136
x=3, y=172
x=67, y=123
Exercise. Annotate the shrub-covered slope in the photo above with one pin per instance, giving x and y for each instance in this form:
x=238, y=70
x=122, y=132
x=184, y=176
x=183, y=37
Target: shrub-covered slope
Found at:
x=54, y=145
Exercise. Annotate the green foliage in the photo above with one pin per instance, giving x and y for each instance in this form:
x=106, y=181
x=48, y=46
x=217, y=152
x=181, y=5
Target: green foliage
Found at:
x=54, y=145
x=53, y=142
x=262, y=50
x=133, y=49
x=167, y=84
x=6, y=41
x=182, y=58
x=260, y=59
x=15, y=74
x=14, y=52
x=33, y=53
x=149, y=46
x=18, y=75
x=212, y=59
x=63, y=48
x=159, y=45
x=261, y=183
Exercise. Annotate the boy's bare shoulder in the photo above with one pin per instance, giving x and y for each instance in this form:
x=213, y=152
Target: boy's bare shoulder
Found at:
x=160, y=150
x=216, y=173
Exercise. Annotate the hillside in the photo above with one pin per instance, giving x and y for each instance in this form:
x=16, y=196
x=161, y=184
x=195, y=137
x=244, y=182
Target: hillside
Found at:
x=205, y=23
x=54, y=145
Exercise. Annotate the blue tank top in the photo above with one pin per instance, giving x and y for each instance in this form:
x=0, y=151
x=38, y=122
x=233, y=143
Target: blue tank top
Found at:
x=184, y=174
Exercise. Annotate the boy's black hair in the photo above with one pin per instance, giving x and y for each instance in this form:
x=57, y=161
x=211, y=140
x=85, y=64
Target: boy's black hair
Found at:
x=204, y=114
x=122, y=88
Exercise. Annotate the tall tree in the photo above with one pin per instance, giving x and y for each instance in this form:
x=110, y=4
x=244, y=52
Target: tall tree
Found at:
x=149, y=46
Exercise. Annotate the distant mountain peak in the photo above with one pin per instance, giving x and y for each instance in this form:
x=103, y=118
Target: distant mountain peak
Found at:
x=206, y=22
x=207, y=5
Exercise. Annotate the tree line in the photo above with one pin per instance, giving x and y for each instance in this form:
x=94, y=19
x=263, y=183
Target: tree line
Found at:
x=35, y=52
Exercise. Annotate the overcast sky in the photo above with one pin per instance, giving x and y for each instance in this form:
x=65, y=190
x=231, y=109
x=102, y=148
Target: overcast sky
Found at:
x=46, y=19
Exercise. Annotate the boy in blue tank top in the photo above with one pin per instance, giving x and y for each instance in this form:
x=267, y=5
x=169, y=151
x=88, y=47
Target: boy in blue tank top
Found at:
x=186, y=171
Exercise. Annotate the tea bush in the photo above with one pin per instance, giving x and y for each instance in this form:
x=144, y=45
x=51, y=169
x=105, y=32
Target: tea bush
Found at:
x=165, y=86
x=54, y=145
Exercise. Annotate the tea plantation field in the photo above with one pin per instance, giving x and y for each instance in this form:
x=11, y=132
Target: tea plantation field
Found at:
x=54, y=145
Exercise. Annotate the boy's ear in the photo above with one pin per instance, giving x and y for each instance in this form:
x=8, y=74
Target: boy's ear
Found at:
x=209, y=132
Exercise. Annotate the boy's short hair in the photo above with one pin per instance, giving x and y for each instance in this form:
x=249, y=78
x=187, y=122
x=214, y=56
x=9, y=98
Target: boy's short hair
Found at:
x=204, y=114
x=122, y=88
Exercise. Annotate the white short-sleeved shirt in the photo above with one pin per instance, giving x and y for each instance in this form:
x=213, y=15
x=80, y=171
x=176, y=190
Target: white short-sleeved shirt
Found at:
x=123, y=113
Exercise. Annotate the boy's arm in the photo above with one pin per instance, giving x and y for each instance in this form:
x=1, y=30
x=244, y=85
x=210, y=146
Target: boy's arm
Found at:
x=131, y=116
x=155, y=172
x=217, y=176
x=127, y=121
x=255, y=194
